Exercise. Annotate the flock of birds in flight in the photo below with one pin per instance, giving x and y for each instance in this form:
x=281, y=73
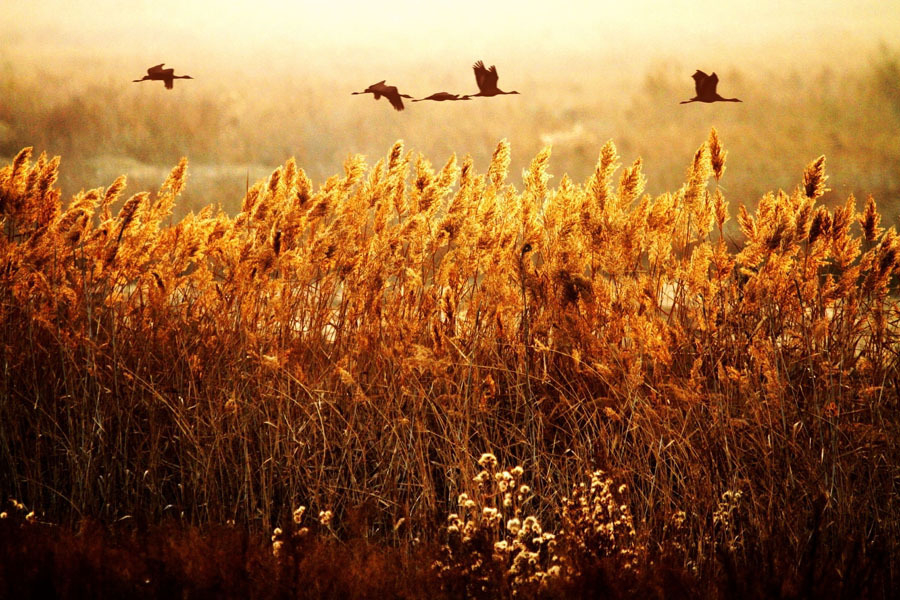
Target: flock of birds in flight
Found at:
x=485, y=78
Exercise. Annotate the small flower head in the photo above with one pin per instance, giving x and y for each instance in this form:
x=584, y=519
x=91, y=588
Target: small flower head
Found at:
x=487, y=460
x=298, y=514
x=514, y=526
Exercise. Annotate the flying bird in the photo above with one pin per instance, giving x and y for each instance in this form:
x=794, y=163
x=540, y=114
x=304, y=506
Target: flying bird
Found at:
x=388, y=91
x=157, y=73
x=442, y=96
x=487, y=81
x=705, y=86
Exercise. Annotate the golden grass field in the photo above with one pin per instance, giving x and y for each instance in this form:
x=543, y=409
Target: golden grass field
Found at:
x=555, y=345
x=544, y=387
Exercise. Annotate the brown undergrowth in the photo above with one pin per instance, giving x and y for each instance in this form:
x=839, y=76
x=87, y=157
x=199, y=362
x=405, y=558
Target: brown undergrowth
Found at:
x=355, y=347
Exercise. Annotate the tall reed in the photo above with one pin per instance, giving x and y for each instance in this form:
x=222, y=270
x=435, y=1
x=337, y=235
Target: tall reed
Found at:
x=358, y=344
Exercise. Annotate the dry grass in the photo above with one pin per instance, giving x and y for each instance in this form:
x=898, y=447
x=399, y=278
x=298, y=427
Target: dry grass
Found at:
x=355, y=347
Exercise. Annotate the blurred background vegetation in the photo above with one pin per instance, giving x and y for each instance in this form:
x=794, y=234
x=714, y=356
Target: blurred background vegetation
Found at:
x=68, y=91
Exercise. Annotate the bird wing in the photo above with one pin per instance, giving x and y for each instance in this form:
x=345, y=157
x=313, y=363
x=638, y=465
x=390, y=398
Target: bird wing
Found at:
x=709, y=85
x=169, y=81
x=699, y=77
x=155, y=69
x=490, y=78
x=377, y=89
x=394, y=98
x=481, y=74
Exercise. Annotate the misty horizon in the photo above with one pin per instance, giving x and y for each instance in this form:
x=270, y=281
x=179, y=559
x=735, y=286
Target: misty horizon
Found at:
x=274, y=79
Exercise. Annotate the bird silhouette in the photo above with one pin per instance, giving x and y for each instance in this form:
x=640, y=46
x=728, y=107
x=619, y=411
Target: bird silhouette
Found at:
x=442, y=96
x=705, y=86
x=487, y=81
x=388, y=91
x=157, y=73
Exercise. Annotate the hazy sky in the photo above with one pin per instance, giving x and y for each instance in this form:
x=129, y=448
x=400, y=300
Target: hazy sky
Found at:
x=364, y=31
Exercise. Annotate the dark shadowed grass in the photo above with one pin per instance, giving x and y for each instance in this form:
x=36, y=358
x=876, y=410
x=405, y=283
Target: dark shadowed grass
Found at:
x=171, y=560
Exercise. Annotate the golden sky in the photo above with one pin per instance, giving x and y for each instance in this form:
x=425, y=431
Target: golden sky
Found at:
x=348, y=30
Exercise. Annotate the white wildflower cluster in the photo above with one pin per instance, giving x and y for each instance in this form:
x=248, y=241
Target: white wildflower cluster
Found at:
x=281, y=537
x=277, y=542
x=489, y=534
x=17, y=506
x=487, y=461
x=598, y=523
x=529, y=552
x=325, y=518
x=298, y=514
x=722, y=516
x=724, y=519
